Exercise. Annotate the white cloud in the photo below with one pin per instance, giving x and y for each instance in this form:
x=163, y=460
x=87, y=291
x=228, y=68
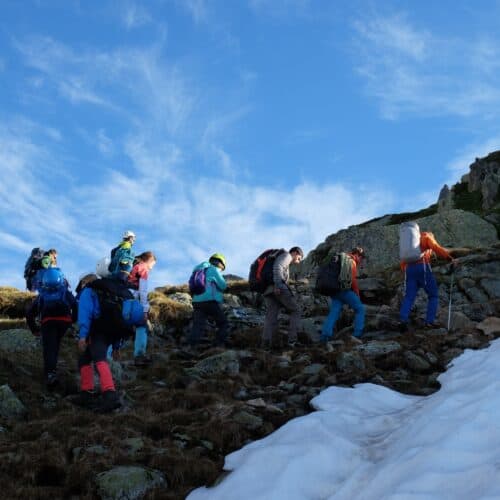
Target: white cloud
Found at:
x=197, y=8
x=412, y=71
x=135, y=16
x=459, y=165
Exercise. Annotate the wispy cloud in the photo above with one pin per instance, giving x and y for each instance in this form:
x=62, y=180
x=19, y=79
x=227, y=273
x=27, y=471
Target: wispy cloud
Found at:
x=459, y=165
x=198, y=9
x=135, y=16
x=413, y=71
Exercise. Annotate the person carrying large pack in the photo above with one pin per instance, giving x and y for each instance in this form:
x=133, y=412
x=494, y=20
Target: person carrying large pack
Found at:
x=415, y=252
x=107, y=315
x=269, y=275
x=138, y=283
x=337, y=278
x=55, y=307
x=122, y=257
x=207, y=286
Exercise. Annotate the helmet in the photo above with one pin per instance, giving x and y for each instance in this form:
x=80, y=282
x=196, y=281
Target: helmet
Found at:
x=102, y=267
x=128, y=234
x=52, y=278
x=220, y=258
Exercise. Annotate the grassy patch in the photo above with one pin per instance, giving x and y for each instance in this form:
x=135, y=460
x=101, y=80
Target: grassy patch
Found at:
x=407, y=216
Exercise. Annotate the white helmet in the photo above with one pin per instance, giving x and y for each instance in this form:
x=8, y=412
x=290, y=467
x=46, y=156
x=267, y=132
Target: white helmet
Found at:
x=128, y=234
x=102, y=267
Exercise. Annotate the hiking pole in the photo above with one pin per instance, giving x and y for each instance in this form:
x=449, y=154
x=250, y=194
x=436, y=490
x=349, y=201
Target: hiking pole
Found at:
x=452, y=268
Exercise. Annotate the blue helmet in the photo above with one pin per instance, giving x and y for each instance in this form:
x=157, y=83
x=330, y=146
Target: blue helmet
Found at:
x=52, y=278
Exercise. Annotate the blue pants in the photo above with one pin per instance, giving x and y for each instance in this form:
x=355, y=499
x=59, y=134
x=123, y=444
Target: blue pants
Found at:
x=351, y=299
x=420, y=276
x=141, y=341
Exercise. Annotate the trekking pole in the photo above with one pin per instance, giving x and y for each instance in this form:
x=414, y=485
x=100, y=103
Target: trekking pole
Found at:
x=449, y=302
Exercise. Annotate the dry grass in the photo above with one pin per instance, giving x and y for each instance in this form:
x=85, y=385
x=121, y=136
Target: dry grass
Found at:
x=13, y=302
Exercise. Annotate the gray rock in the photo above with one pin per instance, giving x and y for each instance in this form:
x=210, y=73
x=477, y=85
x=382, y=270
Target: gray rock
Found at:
x=489, y=326
x=225, y=363
x=232, y=300
x=313, y=369
x=11, y=407
x=492, y=287
x=134, y=444
x=312, y=327
x=247, y=420
x=128, y=482
x=349, y=361
x=182, y=297
x=18, y=340
x=376, y=348
x=469, y=342
x=416, y=363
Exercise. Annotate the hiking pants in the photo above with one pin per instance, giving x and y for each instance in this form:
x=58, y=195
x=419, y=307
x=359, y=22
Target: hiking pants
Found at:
x=96, y=352
x=351, y=299
x=141, y=341
x=418, y=276
x=203, y=310
x=274, y=302
x=51, y=333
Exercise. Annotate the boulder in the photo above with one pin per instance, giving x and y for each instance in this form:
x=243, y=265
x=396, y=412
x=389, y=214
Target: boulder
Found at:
x=377, y=348
x=225, y=363
x=348, y=361
x=128, y=482
x=11, y=407
x=18, y=340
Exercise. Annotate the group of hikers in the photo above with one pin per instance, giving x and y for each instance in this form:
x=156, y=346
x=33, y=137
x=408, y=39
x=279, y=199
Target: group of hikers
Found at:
x=111, y=304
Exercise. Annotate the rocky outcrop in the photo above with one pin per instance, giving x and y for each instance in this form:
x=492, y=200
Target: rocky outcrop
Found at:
x=452, y=228
x=484, y=177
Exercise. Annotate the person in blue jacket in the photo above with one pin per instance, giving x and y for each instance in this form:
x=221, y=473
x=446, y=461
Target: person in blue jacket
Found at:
x=208, y=303
x=102, y=323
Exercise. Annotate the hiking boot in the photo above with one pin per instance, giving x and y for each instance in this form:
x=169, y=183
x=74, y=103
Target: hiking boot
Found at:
x=110, y=401
x=143, y=360
x=86, y=399
x=51, y=380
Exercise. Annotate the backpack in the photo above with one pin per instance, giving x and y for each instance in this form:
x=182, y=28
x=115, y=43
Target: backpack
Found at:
x=122, y=259
x=33, y=264
x=54, y=296
x=409, y=242
x=118, y=306
x=198, y=281
x=327, y=277
x=334, y=275
x=102, y=267
x=261, y=270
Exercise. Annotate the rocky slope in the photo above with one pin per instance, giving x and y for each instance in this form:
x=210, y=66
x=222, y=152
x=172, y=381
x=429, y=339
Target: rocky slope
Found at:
x=183, y=414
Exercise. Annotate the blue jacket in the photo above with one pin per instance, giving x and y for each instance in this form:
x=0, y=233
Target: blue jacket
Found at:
x=216, y=284
x=88, y=311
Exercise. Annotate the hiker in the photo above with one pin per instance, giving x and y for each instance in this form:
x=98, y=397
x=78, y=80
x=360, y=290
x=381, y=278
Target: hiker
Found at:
x=138, y=282
x=348, y=294
x=122, y=257
x=38, y=261
x=278, y=294
x=56, y=308
x=207, y=286
x=418, y=273
x=107, y=314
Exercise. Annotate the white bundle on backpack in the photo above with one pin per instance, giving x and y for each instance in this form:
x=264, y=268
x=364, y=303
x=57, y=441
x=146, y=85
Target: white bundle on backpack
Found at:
x=102, y=267
x=409, y=242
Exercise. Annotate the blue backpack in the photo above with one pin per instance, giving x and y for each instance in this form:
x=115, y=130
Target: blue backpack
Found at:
x=198, y=281
x=54, y=296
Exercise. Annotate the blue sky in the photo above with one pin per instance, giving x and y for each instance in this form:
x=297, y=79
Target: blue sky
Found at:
x=232, y=126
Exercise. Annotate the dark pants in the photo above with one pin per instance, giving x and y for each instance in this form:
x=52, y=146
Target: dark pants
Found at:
x=274, y=302
x=203, y=310
x=96, y=350
x=52, y=332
